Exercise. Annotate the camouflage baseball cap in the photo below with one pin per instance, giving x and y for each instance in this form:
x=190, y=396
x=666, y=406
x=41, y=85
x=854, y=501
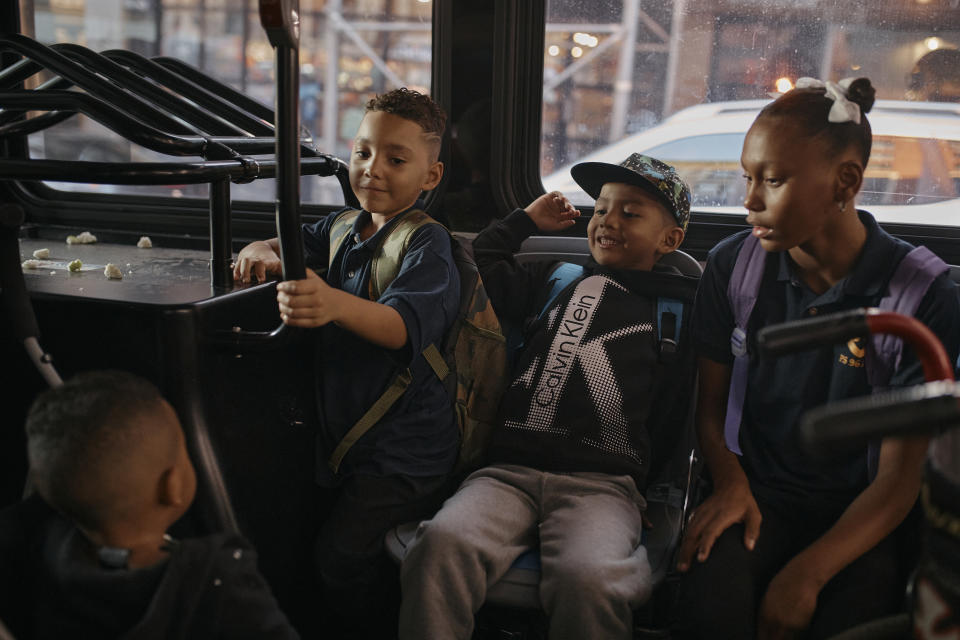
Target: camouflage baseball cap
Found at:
x=651, y=174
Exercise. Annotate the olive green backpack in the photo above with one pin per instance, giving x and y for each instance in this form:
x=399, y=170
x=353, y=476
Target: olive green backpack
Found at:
x=471, y=362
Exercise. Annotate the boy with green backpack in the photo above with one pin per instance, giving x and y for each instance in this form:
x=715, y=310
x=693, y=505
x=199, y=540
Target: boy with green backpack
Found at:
x=387, y=422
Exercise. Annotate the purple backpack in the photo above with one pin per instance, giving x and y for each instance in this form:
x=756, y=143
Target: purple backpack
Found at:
x=907, y=286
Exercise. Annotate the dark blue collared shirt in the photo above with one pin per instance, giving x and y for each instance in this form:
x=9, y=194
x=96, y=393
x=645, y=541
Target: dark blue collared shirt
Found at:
x=781, y=389
x=418, y=436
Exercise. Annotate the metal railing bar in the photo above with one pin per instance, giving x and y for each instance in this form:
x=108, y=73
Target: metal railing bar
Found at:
x=201, y=121
x=255, y=123
x=162, y=173
x=90, y=82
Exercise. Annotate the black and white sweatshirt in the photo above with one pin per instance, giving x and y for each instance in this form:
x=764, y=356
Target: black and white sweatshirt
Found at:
x=590, y=391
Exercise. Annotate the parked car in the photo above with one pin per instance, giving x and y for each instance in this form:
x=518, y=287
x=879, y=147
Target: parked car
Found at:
x=913, y=175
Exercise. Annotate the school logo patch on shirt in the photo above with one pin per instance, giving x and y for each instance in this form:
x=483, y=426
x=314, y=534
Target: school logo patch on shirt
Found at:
x=855, y=356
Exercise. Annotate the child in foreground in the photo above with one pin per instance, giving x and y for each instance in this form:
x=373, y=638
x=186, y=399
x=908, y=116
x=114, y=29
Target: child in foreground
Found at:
x=107, y=452
x=579, y=422
x=396, y=471
x=790, y=543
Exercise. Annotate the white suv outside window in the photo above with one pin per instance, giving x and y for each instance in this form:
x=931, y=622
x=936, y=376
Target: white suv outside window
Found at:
x=913, y=176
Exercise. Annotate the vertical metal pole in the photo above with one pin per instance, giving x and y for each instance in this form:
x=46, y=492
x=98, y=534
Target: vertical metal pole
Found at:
x=221, y=236
x=288, y=162
x=331, y=93
x=281, y=20
x=623, y=87
x=157, y=27
x=244, y=41
x=673, y=57
x=830, y=43
x=202, y=27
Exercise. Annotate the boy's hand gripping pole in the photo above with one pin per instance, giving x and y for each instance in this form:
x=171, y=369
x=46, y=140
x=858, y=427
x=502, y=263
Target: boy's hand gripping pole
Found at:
x=281, y=21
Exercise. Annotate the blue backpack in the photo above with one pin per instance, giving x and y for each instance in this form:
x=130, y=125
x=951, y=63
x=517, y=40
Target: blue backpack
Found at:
x=669, y=312
x=906, y=289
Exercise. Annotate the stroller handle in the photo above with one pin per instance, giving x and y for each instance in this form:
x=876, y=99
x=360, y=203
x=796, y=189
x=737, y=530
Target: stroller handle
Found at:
x=837, y=327
x=848, y=424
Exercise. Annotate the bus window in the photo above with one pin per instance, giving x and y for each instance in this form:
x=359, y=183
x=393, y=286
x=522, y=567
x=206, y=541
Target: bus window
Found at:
x=683, y=81
x=349, y=51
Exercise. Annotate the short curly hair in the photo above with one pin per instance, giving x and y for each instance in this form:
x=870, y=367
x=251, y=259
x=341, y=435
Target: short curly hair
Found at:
x=77, y=431
x=414, y=106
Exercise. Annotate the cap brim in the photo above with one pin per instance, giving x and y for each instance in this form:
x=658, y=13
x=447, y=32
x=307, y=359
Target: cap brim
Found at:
x=591, y=176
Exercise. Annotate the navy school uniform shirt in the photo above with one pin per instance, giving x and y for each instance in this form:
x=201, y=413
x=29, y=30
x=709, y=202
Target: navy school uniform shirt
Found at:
x=418, y=436
x=781, y=389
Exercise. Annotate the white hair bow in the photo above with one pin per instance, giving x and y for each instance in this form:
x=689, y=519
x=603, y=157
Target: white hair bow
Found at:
x=843, y=110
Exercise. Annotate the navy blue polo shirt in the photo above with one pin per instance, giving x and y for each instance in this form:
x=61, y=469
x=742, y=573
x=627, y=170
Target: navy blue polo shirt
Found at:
x=781, y=389
x=419, y=435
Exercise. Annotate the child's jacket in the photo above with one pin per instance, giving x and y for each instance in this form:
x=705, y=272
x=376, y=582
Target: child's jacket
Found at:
x=591, y=390
x=209, y=587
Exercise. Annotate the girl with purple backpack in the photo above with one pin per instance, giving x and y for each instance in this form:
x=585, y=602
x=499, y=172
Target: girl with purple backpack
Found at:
x=790, y=544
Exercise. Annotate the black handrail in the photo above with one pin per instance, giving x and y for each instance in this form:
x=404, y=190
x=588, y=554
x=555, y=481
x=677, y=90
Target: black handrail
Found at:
x=203, y=121
x=281, y=21
x=159, y=173
x=89, y=81
x=195, y=75
x=128, y=126
x=213, y=96
x=170, y=107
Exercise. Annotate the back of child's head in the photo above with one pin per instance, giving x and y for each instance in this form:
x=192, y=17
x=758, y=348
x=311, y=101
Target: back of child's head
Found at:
x=936, y=77
x=95, y=445
x=416, y=107
x=813, y=110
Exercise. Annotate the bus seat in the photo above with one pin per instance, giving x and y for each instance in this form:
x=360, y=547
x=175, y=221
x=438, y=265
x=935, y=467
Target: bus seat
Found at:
x=537, y=248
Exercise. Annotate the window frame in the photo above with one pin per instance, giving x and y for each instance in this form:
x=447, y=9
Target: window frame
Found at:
x=518, y=111
x=517, y=41
x=186, y=218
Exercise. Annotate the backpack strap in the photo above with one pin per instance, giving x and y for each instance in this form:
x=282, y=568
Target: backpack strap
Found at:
x=669, y=321
x=669, y=311
x=906, y=289
x=339, y=231
x=435, y=359
x=388, y=255
x=742, y=292
x=561, y=277
x=372, y=416
x=389, y=251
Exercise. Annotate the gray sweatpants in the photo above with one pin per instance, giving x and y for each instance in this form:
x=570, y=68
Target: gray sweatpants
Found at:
x=594, y=570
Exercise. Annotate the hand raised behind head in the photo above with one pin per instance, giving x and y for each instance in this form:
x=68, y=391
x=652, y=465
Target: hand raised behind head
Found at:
x=310, y=302
x=257, y=259
x=724, y=508
x=552, y=212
